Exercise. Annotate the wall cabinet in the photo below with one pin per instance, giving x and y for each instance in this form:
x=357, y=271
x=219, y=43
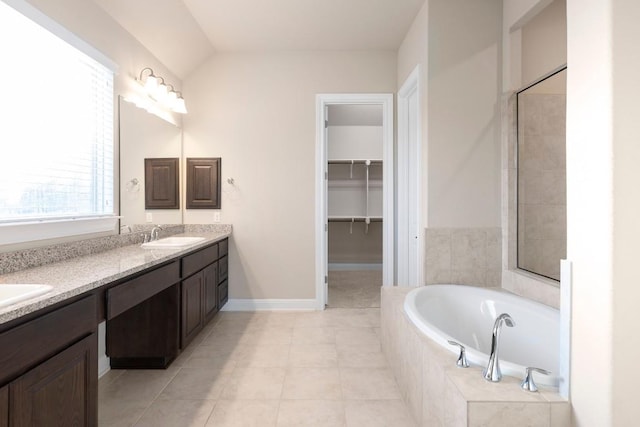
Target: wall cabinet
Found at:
x=48, y=368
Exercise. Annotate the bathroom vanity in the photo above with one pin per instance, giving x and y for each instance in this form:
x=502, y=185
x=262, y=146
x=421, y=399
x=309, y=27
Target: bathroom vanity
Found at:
x=154, y=303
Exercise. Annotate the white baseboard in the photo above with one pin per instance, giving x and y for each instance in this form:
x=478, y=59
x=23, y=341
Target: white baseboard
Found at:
x=104, y=365
x=271, y=305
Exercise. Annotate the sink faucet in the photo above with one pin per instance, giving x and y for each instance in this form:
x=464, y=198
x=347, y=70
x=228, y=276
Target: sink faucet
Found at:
x=154, y=233
x=492, y=372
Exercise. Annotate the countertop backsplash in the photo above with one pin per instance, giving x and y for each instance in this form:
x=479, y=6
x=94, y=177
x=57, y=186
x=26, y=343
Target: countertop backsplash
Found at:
x=28, y=258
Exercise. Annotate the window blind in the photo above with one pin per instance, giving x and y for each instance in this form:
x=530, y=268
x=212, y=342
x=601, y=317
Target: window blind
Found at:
x=56, y=131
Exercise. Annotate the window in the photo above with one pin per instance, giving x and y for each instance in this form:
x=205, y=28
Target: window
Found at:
x=56, y=138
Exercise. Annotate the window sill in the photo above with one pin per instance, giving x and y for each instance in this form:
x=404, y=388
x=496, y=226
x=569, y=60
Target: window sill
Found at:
x=20, y=232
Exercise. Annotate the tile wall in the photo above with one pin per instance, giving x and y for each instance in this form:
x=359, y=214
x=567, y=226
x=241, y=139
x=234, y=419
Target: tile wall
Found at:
x=464, y=256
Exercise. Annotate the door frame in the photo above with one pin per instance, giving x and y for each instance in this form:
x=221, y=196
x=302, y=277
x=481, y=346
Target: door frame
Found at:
x=410, y=239
x=321, y=218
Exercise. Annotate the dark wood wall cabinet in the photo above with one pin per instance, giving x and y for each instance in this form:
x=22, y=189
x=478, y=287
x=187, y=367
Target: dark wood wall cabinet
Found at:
x=203, y=183
x=155, y=315
x=49, y=368
x=161, y=183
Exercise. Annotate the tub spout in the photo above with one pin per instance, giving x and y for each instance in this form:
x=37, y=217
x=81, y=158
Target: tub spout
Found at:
x=492, y=372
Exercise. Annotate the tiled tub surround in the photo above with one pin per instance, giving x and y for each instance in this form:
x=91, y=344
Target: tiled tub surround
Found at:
x=519, y=282
x=464, y=256
x=80, y=274
x=440, y=394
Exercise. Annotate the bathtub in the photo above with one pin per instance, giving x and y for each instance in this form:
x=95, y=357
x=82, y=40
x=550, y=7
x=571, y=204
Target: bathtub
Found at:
x=466, y=314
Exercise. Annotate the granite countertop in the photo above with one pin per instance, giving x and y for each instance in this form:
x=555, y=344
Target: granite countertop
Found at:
x=78, y=275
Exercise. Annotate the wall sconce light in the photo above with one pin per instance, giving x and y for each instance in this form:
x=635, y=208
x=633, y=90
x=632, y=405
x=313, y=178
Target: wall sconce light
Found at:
x=159, y=91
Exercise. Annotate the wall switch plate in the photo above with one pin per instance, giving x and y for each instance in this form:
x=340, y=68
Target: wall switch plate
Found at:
x=149, y=217
x=216, y=216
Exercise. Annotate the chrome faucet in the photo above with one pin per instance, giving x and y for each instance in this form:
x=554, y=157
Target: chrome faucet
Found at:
x=154, y=233
x=492, y=372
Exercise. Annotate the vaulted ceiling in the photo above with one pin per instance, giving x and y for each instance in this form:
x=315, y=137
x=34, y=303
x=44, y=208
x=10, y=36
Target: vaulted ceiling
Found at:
x=184, y=33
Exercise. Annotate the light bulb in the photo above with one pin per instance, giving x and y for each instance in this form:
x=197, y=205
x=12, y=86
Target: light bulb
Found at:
x=151, y=85
x=179, y=106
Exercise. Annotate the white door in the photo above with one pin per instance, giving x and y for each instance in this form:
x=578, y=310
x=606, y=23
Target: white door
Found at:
x=409, y=238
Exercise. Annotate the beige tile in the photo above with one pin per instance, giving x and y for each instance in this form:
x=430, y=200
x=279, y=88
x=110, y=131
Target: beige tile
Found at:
x=560, y=414
x=314, y=335
x=120, y=412
x=377, y=413
x=171, y=413
x=244, y=413
x=223, y=364
x=475, y=388
x=254, y=383
x=356, y=337
x=363, y=356
x=438, y=249
x=312, y=383
x=142, y=385
x=455, y=407
x=353, y=318
x=196, y=383
x=468, y=248
x=368, y=383
x=317, y=413
x=313, y=356
x=264, y=356
x=313, y=319
x=491, y=414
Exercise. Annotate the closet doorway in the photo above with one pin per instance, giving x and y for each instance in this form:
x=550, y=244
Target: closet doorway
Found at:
x=354, y=199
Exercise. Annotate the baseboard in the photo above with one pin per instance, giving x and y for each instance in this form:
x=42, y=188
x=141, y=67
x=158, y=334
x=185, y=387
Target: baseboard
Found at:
x=104, y=365
x=271, y=305
x=354, y=266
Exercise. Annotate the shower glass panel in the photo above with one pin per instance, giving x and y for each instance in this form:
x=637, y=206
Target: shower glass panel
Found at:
x=542, y=200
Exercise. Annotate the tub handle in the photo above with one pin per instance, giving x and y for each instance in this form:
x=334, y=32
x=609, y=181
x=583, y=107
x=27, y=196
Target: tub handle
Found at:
x=462, y=358
x=528, y=384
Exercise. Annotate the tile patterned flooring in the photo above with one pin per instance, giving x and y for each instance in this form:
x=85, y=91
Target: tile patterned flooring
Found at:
x=266, y=369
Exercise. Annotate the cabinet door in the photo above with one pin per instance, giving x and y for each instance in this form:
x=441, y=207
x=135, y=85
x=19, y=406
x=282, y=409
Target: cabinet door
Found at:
x=4, y=406
x=210, y=291
x=192, y=313
x=62, y=391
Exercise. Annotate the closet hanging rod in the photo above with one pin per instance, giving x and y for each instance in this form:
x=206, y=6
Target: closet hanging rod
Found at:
x=354, y=219
x=354, y=162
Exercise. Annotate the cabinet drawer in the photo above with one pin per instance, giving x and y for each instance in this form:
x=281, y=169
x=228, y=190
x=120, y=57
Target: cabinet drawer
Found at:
x=223, y=247
x=223, y=293
x=223, y=268
x=131, y=293
x=30, y=343
x=199, y=260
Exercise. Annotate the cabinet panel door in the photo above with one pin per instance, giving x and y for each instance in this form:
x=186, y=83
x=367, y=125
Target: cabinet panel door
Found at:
x=210, y=291
x=59, y=392
x=4, y=406
x=192, y=313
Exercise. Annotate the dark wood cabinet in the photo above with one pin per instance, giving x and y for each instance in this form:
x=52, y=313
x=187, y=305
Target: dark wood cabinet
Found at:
x=61, y=391
x=4, y=406
x=192, y=312
x=203, y=183
x=210, y=291
x=49, y=368
x=161, y=184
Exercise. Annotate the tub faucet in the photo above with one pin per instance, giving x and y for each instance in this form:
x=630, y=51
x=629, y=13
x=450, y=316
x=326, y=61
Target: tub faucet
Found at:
x=492, y=372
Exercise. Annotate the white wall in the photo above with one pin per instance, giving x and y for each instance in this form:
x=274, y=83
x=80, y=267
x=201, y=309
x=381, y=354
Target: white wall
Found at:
x=603, y=208
x=461, y=109
x=257, y=112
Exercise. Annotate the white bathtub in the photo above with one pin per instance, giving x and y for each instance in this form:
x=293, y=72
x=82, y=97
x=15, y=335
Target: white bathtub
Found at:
x=466, y=314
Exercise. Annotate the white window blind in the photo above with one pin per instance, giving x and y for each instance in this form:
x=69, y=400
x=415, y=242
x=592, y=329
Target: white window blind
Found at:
x=56, y=127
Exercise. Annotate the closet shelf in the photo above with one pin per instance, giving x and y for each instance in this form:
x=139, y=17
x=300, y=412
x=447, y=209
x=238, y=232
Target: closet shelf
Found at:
x=355, y=218
x=354, y=161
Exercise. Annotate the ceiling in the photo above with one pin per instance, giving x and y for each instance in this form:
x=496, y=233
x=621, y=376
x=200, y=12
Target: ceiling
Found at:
x=184, y=33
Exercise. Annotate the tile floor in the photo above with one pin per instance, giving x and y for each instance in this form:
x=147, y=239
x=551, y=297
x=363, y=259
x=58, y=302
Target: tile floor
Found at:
x=266, y=369
x=354, y=289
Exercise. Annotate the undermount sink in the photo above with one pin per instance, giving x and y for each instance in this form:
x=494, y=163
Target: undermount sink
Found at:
x=172, y=242
x=14, y=293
